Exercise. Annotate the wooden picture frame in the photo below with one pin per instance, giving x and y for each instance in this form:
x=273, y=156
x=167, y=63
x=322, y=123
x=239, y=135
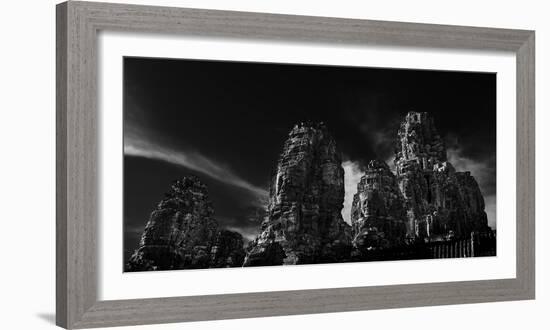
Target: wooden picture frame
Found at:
x=77, y=158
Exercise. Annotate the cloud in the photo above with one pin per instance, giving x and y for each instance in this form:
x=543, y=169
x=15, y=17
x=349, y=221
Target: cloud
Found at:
x=484, y=171
x=247, y=222
x=191, y=160
x=352, y=176
x=380, y=138
x=491, y=210
x=391, y=164
x=134, y=229
x=248, y=233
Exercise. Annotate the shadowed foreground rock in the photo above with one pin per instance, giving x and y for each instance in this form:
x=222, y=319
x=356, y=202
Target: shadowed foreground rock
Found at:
x=181, y=233
x=303, y=223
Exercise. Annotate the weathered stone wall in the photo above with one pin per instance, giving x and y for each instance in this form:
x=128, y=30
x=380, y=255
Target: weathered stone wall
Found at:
x=181, y=233
x=439, y=201
x=377, y=213
x=227, y=250
x=419, y=141
x=306, y=197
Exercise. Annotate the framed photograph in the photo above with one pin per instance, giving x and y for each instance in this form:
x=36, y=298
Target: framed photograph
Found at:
x=217, y=165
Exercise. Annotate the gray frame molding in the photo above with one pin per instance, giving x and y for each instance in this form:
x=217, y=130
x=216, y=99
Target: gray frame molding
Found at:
x=77, y=152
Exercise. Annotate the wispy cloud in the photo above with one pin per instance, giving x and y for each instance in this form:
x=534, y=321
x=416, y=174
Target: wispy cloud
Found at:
x=191, y=160
x=248, y=233
x=352, y=176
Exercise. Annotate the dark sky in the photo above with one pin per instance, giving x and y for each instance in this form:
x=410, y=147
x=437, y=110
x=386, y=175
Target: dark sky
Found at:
x=226, y=122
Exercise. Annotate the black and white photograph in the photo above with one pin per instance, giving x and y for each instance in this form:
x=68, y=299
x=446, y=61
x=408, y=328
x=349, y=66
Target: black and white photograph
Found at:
x=241, y=164
x=269, y=165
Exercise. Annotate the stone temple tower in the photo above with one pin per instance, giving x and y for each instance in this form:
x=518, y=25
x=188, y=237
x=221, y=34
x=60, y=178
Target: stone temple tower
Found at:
x=439, y=201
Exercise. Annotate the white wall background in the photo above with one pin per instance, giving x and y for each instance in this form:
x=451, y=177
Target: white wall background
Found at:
x=27, y=164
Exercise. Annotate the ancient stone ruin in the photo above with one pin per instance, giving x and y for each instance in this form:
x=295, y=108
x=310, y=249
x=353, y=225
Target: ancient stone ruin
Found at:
x=440, y=202
x=398, y=215
x=181, y=233
x=426, y=201
x=378, y=213
x=304, y=222
x=425, y=210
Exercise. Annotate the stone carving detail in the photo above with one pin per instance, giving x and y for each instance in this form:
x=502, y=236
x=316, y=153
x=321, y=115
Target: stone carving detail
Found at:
x=378, y=213
x=426, y=209
x=440, y=202
x=304, y=222
x=182, y=234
